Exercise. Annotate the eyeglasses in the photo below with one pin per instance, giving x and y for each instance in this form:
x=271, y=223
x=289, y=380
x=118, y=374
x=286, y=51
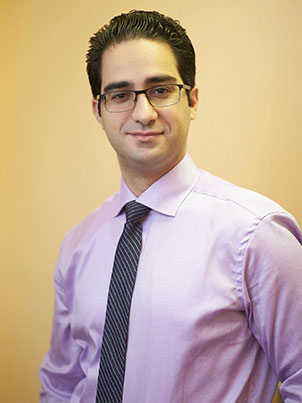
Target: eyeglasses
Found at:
x=124, y=100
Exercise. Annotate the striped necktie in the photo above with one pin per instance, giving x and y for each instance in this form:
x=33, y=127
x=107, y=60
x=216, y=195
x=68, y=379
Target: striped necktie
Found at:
x=114, y=344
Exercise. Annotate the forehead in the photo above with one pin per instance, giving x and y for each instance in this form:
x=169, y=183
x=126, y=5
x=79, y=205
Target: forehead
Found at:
x=136, y=61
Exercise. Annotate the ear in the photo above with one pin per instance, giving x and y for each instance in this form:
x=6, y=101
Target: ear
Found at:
x=194, y=102
x=96, y=111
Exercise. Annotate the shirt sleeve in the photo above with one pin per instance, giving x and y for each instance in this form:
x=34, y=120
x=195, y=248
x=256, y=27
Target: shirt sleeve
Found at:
x=60, y=371
x=273, y=298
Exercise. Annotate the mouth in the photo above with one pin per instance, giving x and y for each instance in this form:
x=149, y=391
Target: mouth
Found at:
x=145, y=136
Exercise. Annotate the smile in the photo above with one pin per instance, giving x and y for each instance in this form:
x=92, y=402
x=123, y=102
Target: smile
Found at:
x=145, y=136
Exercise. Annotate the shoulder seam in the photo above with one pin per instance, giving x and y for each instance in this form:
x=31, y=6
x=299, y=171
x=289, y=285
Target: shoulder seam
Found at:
x=236, y=203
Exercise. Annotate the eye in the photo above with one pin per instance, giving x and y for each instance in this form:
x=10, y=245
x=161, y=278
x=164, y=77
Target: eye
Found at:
x=119, y=96
x=161, y=91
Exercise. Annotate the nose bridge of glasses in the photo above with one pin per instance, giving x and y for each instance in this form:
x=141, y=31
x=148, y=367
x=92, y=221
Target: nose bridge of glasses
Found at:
x=139, y=92
x=143, y=110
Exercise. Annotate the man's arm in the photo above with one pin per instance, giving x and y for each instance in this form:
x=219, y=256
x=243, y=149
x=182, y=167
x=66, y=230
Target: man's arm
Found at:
x=273, y=296
x=60, y=370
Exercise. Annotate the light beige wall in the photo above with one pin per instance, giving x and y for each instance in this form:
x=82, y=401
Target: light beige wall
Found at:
x=56, y=165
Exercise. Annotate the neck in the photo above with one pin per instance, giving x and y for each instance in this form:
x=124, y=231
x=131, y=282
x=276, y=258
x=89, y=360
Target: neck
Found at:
x=138, y=183
x=140, y=180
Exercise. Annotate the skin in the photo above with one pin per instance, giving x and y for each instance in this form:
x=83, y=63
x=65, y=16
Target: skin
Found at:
x=148, y=141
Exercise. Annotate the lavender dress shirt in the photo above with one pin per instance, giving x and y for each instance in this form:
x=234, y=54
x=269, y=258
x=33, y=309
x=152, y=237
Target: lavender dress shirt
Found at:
x=216, y=315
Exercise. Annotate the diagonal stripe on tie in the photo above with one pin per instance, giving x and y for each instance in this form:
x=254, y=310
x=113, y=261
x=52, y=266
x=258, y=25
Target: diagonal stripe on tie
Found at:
x=115, y=336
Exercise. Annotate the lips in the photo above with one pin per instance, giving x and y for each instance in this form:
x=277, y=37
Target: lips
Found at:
x=142, y=133
x=145, y=136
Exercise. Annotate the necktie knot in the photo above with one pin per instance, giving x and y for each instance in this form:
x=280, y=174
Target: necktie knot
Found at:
x=135, y=211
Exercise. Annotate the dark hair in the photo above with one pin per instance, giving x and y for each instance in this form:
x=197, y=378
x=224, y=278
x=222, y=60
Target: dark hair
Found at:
x=141, y=24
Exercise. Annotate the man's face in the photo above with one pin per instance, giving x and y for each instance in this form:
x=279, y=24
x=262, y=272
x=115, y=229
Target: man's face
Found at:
x=146, y=139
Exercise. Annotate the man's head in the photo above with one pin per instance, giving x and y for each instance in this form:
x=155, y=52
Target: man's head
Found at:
x=143, y=66
x=141, y=24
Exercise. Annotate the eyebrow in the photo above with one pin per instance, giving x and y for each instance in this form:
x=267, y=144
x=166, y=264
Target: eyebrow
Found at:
x=150, y=80
x=116, y=85
x=160, y=79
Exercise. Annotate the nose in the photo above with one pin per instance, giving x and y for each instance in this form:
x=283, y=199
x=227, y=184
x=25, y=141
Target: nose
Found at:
x=143, y=111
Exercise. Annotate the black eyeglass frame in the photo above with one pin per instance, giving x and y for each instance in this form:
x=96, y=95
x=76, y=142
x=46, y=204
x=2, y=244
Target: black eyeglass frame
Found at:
x=100, y=97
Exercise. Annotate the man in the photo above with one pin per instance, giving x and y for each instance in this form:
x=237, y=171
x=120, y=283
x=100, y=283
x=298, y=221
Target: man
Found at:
x=215, y=314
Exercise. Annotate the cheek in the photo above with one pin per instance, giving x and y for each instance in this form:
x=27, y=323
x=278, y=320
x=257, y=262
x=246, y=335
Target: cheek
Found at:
x=110, y=131
x=113, y=128
x=179, y=124
x=111, y=125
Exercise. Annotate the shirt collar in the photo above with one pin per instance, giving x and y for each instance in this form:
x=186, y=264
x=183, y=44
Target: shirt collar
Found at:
x=166, y=194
